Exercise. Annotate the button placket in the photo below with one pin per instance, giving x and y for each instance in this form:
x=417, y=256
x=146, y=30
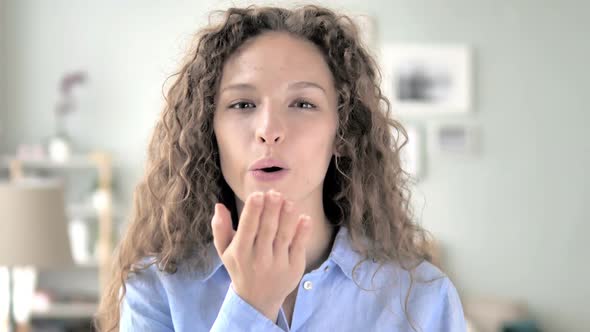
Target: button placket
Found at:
x=305, y=300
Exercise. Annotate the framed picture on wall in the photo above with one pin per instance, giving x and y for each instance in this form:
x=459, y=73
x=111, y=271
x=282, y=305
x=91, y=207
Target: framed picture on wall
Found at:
x=454, y=138
x=423, y=79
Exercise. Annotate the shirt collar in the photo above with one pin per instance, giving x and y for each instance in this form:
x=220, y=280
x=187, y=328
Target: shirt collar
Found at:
x=343, y=254
x=216, y=262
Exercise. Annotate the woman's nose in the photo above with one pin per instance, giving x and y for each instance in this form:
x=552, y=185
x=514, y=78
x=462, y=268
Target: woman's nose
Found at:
x=270, y=128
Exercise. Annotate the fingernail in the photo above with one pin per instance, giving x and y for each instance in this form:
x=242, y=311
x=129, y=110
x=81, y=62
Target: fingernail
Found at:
x=274, y=196
x=257, y=197
x=305, y=219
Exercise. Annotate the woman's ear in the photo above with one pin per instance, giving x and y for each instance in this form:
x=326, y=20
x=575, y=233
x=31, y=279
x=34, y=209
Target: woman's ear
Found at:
x=336, y=151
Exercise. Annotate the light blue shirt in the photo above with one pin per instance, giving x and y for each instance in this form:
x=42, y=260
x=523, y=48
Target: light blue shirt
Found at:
x=327, y=299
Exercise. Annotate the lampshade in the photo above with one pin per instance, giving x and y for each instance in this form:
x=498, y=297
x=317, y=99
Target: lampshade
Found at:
x=33, y=225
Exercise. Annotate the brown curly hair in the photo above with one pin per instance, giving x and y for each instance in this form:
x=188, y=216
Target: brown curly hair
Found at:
x=365, y=188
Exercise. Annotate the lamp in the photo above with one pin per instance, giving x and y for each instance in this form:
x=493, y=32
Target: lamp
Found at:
x=33, y=234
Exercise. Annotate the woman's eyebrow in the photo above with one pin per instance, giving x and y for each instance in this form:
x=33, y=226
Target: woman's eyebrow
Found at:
x=239, y=86
x=306, y=84
x=294, y=85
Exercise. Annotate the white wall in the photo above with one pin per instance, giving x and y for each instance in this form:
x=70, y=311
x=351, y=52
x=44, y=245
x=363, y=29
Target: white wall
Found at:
x=2, y=76
x=513, y=220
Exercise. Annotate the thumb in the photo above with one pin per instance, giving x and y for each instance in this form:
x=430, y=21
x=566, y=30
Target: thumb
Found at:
x=221, y=225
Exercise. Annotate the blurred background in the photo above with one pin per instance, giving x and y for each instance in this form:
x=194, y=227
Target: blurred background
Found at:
x=81, y=86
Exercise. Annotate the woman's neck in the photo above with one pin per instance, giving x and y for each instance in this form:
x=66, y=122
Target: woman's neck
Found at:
x=320, y=243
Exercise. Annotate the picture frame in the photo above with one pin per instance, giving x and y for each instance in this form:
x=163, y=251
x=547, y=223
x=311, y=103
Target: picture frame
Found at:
x=454, y=138
x=427, y=79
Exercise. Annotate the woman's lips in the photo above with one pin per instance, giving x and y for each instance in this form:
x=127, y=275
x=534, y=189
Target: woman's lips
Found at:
x=261, y=175
x=267, y=163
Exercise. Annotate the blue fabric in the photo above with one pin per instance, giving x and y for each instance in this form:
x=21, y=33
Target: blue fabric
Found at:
x=374, y=300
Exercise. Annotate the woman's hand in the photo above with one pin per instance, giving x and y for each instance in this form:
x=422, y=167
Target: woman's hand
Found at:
x=265, y=258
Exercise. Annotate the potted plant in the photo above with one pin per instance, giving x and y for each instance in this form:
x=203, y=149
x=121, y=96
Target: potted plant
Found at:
x=59, y=146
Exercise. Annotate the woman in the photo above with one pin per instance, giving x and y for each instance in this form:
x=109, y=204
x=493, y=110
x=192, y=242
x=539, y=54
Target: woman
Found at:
x=274, y=198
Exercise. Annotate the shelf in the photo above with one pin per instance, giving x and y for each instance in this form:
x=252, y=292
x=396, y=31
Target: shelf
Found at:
x=92, y=264
x=81, y=210
x=73, y=310
x=81, y=161
x=103, y=248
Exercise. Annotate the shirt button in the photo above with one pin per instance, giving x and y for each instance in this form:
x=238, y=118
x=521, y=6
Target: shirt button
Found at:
x=307, y=285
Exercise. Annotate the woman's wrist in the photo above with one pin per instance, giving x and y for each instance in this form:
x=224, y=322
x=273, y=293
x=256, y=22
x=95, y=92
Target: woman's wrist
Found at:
x=269, y=311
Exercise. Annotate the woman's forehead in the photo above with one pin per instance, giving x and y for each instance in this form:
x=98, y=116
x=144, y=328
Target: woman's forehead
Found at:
x=277, y=56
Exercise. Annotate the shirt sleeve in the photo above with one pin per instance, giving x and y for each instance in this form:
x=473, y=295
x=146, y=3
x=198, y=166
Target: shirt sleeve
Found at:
x=238, y=315
x=145, y=306
x=448, y=317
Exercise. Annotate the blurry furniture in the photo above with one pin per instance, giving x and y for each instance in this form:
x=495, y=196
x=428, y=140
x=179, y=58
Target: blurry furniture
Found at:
x=101, y=209
x=33, y=234
x=101, y=162
x=492, y=314
x=487, y=313
x=527, y=325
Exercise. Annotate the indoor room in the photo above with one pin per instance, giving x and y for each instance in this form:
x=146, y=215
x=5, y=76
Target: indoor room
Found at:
x=457, y=141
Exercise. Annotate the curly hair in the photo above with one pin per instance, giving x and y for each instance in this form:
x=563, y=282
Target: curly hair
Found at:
x=365, y=188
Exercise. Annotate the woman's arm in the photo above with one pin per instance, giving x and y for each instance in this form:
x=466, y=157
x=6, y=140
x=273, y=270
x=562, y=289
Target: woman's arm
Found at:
x=145, y=308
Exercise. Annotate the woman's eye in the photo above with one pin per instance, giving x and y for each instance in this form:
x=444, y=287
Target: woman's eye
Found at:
x=242, y=104
x=303, y=104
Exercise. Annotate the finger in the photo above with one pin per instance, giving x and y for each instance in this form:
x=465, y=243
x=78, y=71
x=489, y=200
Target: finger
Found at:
x=297, y=249
x=249, y=220
x=286, y=228
x=269, y=220
x=223, y=232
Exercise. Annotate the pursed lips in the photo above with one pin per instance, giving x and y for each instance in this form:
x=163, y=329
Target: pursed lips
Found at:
x=268, y=165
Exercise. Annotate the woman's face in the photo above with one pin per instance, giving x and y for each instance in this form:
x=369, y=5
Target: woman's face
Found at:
x=276, y=101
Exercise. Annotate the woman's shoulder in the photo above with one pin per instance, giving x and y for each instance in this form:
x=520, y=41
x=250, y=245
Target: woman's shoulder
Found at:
x=150, y=273
x=433, y=282
x=433, y=298
x=427, y=272
x=425, y=283
x=426, y=280
x=425, y=292
x=146, y=277
x=144, y=288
